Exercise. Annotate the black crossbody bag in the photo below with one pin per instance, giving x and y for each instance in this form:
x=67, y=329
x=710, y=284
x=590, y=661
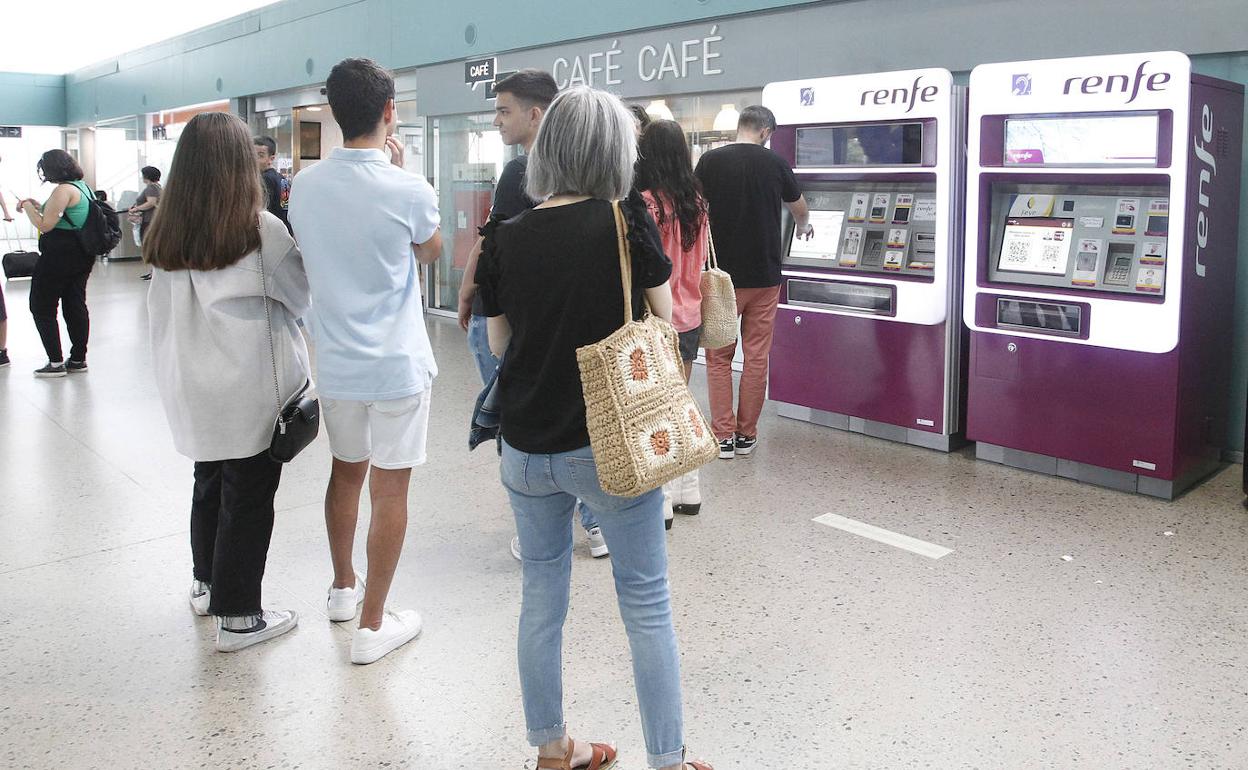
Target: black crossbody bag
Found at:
x=299, y=419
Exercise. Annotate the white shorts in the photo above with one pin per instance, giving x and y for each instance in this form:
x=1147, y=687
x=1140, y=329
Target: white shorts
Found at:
x=390, y=434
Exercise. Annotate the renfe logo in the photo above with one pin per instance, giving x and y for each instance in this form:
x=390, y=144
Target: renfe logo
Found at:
x=901, y=95
x=1108, y=84
x=1206, y=184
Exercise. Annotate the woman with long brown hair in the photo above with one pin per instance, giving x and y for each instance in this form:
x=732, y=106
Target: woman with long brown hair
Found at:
x=225, y=272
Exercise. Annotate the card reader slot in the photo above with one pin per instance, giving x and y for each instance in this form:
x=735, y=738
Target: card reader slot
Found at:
x=835, y=295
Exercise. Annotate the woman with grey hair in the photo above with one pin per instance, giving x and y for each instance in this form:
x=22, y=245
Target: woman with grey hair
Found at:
x=550, y=281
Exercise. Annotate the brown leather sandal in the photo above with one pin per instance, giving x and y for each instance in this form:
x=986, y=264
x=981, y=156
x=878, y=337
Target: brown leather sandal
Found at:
x=695, y=765
x=601, y=757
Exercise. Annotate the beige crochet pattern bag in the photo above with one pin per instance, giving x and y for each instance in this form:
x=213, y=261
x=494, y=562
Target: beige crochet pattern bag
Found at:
x=645, y=429
x=719, y=304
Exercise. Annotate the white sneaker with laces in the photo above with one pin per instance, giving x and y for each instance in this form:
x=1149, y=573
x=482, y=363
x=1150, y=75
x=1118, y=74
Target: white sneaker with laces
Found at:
x=397, y=629
x=201, y=597
x=515, y=548
x=597, y=543
x=343, y=603
x=270, y=624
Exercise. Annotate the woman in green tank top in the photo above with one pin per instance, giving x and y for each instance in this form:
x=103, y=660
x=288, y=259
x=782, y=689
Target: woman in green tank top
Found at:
x=60, y=277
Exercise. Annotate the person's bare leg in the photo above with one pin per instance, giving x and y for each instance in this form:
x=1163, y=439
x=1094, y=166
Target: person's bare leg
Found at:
x=688, y=371
x=342, y=511
x=388, y=491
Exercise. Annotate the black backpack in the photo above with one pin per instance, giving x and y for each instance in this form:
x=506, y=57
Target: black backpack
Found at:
x=101, y=231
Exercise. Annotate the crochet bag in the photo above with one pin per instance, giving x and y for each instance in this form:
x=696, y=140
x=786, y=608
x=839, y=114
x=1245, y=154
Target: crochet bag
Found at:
x=645, y=429
x=719, y=304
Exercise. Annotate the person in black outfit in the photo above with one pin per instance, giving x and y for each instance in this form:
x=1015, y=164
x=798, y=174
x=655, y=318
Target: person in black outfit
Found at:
x=62, y=272
x=276, y=190
x=550, y=282
x=745, y=184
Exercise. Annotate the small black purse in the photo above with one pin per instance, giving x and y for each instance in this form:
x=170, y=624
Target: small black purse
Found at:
x=299, y=419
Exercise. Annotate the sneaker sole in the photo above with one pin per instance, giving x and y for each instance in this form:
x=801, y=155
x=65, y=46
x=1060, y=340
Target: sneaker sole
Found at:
x=727, y=455
x=687, y=509
x=49, y=375
x=83, y=370
x=745, y=452
x=364, y=657
x=243, y=641
x=598, y=553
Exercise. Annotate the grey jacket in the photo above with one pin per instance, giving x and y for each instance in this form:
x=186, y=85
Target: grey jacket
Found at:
x=210, y=349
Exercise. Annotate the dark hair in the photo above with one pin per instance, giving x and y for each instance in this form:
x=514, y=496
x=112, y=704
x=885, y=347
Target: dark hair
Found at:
x=59, y=166
x=643, y=117
x=756, y=118
x=208, y=213
x=101, y=196
x=267, y=143
x=358, y=90
x=534, y=88
x=151, y=173
x=665, y=169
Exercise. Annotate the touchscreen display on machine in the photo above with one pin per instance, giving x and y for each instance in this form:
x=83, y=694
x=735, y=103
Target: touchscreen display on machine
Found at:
x=1035, y=245
x=826, y=238
x=877, y=144
x=1078, y=140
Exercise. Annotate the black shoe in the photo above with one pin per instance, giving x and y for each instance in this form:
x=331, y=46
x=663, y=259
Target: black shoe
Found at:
x=147, y=277
x=727, y=449
x=745, y=445
x=75, y=366
x=51, y=370
x=4, y=357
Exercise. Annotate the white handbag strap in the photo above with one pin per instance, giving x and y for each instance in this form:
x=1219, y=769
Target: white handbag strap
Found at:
x=710, y=246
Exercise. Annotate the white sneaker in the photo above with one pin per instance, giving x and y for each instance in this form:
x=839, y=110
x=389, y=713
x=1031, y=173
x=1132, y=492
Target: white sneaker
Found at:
x=597, y=543
x=669, y=503
x=343, y=603
x=272, y=623
x=515, y=548
x=689, y=501
x=397, y=629
x=201, y=597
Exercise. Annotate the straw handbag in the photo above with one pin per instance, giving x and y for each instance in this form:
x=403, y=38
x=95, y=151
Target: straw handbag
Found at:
x=645, y=429
x=719, y=303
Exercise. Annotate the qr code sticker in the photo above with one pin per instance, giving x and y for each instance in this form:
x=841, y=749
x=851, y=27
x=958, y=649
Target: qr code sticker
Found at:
x=1019, y=253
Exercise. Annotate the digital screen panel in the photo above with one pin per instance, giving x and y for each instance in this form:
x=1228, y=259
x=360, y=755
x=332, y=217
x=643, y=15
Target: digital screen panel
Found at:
x=878, y=144
x=823, y=244
x=1036, y=246
x=1101, y=140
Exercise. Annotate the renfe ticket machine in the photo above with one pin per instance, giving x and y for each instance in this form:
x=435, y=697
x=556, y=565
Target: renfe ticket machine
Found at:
x=1102, y=208
x=867, y=335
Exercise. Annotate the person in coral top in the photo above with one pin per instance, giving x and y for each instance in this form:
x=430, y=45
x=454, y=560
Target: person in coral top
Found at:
x=674, y=196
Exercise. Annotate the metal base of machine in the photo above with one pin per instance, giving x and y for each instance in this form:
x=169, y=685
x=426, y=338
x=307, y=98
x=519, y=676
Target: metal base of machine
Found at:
x=884, y=430
x=1094, y=474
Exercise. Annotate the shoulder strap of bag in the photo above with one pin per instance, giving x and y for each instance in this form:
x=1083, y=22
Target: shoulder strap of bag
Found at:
x=268, y=320
x=626, y=267
x=712, y=262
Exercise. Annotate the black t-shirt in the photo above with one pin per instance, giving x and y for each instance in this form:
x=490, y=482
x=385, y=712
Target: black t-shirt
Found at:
x=509, y=200
x=273, y=195
x=555, y=274
x=744, y=185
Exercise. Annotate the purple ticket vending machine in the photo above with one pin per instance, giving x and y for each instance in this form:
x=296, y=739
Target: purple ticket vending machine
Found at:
x=1102, y=208
x=867, y=336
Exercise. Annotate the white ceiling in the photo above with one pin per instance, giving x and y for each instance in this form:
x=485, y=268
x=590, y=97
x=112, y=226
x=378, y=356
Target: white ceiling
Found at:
x=65, y=35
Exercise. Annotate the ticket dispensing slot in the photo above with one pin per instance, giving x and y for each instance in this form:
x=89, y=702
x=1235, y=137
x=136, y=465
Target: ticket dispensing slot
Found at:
x=834, y=295
x=1047, y=317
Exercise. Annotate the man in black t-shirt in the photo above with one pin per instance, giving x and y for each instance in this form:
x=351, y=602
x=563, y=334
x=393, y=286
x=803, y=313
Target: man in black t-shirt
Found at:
x=276, y=189
x=745, y=184
x=520, y=101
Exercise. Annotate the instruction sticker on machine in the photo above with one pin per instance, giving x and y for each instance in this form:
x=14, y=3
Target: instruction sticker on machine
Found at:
x=924, y=210
x=1154, y=253
x=1158, y=222
x=1151, y=280
x=897, y=238
x=1033, y=206
x=852, y=247
x=1036, y=246
x=893, y=260
x=879, y=208
x=1087, y=259
x=1128, y=212
x=901, y=213
x=858, y=208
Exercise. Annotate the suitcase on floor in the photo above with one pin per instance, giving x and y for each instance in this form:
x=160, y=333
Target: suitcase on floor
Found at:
x=18, y=263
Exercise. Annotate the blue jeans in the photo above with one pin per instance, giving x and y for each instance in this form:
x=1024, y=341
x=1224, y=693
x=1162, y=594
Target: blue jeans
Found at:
x=479, y=344
x=543, y=491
